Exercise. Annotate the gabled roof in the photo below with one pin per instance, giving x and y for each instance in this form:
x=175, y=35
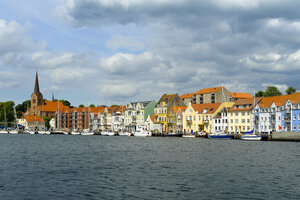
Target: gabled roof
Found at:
x=152, y=117
x=208, y=90
x=167, y=98
x=176, y=108
x=240, y=95
x=185, y=96
x=209, y=107
x=244, y=103
x=279, y=100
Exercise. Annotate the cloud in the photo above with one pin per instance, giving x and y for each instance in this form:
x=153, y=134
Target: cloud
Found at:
x=125, y=42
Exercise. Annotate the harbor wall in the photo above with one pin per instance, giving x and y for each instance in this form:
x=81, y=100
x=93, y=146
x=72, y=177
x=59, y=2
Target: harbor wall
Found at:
x=285, y=136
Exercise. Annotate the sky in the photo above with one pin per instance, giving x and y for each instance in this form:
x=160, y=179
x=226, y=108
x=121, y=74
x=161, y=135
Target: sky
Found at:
x=119, y=51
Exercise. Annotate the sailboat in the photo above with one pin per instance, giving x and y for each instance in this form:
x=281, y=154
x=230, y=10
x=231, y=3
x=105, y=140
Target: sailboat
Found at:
x=250, y=135
x=15, y=130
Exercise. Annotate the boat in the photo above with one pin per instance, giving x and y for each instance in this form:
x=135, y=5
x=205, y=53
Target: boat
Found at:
x=250, y=136
x=188, y=136
x=75, y=133
x=107, y=133
x=123, y=133
x=142, y=133
x=87, y=132
x=13, y=131
x=220, y=136
x=3, y=131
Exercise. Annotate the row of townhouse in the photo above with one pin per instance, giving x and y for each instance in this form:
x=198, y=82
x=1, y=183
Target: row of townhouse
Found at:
x=278, y=113
x=94, y=118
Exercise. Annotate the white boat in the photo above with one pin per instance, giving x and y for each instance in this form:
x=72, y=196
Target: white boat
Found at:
x=251, y=137
x=3, y=131
x=123, y=133
x=31, y=132
x=142, y=133
x=14, y=131
x=42, y=132
x=188, y=136
x=106, y=133
x=75, y=133
x=87, y=132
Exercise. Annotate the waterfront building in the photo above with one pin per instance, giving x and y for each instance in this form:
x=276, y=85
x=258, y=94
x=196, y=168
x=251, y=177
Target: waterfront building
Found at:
x=118, y=119
x=136, y=113
x=240, y=115
x=151, y=126
x=199, y=117
x=207, y=95
x=163, y=107
x=174, y=118
x=277, y=113
x=221, y=118
x=32, y=122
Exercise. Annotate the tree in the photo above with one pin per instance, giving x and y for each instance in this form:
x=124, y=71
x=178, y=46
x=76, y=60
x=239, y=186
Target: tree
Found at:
x=114, y=105
x=290, y=90
x=272, y=91
x=259, y=94
x=92, y=106
x=47, y=121
x=7, y=107
x=81, y=106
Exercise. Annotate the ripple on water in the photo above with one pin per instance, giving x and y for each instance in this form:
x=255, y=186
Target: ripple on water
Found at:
x=56, y=167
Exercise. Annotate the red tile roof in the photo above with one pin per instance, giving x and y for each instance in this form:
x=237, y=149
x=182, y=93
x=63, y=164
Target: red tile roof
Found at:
x=185, y=96
x=279, y=100
x=31, y=118
x=52, y=106
x=240, y=95
x=208, y=90
x=244, y=103
x=211, y=107
x=176, y=108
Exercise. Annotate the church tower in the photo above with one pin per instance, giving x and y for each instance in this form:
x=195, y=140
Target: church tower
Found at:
x=36, y=98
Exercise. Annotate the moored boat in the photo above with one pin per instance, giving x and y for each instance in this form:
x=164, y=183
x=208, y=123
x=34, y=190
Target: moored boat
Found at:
x=251, y=137
x=219, y=136
x=188, y=136
x=142, y=133
x=4, y=131
x=87, y=132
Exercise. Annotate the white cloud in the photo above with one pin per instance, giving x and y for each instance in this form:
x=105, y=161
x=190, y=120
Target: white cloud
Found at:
x=125, y=42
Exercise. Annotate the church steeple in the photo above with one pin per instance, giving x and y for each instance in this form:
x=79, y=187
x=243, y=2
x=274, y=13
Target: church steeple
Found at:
x=36, y=86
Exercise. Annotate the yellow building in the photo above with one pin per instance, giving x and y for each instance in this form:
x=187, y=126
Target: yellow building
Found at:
x=163, y=107
x=199, y=117
x=239, y=116
x=208, y=117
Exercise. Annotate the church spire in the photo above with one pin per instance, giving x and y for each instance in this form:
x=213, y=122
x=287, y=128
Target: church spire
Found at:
x=36, y=86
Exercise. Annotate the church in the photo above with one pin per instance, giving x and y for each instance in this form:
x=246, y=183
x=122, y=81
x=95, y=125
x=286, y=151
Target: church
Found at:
x=39, y=108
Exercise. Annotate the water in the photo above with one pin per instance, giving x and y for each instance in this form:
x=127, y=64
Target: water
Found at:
x=99, y=167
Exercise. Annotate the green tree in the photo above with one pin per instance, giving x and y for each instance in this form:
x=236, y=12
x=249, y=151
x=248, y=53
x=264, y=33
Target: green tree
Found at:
x=8, y=108
x=92, y=106
x=47, y=121
x=114, y=105
x=259, y=94
x=272, y=91
x=290, y=90
x=81, y=106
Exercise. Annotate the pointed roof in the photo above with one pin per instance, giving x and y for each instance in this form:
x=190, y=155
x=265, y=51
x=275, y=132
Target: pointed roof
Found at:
x=206, y=108
x=36, y=86
x=240, y=95
x=208, y=90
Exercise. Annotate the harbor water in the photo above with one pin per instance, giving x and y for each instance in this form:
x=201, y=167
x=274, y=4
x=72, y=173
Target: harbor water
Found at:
x=112, y=167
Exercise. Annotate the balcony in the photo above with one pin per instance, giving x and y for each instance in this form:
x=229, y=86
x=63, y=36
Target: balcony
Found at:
x=287, y=119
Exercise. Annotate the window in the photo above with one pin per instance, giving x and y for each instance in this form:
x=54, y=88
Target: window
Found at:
x=294, y=117
x=231, y=114
x=243, y=120
x=294, y=127
x=199, y=118
x=248, y=120
x=248, y=128
x=299, y=117
x=194, y=118
x=236, y=121
x=299, y=127
x=236, y=113
x=231, y=121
